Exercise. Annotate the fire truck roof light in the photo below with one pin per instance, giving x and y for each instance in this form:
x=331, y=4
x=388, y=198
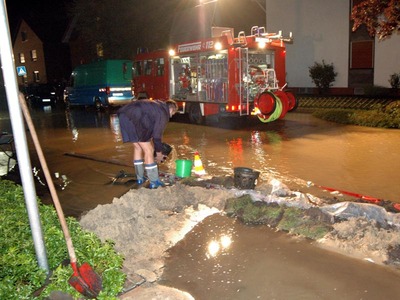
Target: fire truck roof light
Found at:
x=218, y=46
x=171, y=52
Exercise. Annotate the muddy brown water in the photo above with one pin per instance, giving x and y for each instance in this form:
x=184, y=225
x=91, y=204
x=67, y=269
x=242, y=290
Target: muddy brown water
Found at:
x=299, y=150
x=261, y=264
x=222, y=259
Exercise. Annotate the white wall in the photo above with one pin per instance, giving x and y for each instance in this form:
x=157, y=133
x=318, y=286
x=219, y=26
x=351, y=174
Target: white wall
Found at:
x=320, y=31
x=387, y=59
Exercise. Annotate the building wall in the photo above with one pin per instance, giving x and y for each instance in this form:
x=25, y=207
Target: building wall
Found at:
x=31, y=42
x=321, y=31
x=387, y=59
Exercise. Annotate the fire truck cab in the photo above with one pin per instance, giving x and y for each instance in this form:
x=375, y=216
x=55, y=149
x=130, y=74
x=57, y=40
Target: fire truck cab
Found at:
x=219, y=76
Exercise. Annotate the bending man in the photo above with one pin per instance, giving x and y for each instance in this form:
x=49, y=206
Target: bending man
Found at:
x=143, y=123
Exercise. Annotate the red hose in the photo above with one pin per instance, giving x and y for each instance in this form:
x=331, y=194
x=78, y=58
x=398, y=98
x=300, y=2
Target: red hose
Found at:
x=366, y=198
x=370, y=199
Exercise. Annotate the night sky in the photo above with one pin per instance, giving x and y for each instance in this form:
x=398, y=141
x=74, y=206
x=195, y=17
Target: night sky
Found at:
x=48, y=18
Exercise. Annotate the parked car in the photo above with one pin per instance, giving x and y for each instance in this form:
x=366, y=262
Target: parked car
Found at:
x=41, y=95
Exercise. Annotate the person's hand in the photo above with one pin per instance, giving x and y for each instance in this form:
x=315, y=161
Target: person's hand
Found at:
x=160, y=157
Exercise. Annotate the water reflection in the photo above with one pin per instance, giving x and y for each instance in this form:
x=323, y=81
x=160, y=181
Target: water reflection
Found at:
x=236, y=151
x=48, y=109
x=115, y=129
x=216, y=247
x=298, y=150
x=265, y=264
x=82, y=118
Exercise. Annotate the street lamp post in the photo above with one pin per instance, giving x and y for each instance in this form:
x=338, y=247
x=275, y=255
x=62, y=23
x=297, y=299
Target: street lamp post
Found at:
x=264, y=8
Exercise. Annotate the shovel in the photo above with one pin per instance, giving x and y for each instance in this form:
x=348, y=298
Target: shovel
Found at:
x=84, y=279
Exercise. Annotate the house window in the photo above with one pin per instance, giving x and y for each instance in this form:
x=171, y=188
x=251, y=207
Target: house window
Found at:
x=36, y=76
x=33, y=55
x=24, y=36
x=362, y=55
x=21, y=58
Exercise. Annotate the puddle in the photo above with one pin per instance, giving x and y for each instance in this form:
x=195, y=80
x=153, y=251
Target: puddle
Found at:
x=223, y=259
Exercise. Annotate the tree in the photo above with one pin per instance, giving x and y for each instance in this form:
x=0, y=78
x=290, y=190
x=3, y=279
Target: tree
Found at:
x=123, y=26
x=381, y=17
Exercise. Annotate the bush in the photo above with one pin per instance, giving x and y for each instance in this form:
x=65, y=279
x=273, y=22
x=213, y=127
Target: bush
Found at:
x=19, y=271
x=382, y=116
x=395, y=80
x=323, y=75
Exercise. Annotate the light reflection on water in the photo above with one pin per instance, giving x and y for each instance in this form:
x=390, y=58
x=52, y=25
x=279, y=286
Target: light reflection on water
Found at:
x=219, y=245
x=296, y=150
x=262, y=263
x=221, y=150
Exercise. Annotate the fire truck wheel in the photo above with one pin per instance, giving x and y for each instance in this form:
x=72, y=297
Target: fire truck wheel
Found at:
x=195, y=116
x=293, y=102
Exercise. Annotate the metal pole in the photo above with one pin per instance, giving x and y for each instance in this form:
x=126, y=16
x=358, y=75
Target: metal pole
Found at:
x=264, y=9
x=260, y=5
x=18, y=128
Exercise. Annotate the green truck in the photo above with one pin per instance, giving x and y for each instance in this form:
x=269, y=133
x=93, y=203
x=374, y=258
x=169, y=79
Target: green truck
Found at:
x=100, y=84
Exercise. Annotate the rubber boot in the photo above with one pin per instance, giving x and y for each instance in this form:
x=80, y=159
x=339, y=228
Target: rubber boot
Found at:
x=139, y=170
x=152, y=174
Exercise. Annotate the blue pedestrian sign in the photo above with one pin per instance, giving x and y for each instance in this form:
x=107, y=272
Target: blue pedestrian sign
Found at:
x=21, y=71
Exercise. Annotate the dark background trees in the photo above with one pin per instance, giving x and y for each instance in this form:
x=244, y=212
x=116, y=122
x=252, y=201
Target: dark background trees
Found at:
x=123, y=26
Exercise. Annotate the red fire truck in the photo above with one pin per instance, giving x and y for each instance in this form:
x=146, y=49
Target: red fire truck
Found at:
x=219, y=76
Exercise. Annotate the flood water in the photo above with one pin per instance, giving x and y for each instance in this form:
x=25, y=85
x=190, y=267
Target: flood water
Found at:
x=84, y=149
x=298, y=150
x=222, y=259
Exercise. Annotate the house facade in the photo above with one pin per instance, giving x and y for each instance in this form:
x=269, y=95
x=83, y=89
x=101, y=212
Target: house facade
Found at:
x=29, y=53
x=322, y=31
